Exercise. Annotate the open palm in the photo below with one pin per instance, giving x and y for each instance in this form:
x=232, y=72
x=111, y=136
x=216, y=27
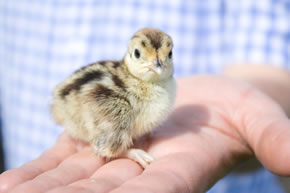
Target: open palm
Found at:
x=217, y=123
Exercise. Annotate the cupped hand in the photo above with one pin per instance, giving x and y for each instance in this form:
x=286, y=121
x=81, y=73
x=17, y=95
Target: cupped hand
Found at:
x=217, y=123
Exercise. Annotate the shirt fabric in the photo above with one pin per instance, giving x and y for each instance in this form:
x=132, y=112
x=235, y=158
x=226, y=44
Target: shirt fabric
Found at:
x=43, y=42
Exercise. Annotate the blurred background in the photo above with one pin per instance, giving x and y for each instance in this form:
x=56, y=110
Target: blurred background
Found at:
x=1, y=151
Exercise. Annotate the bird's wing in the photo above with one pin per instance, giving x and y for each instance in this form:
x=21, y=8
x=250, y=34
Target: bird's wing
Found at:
x=113, y=114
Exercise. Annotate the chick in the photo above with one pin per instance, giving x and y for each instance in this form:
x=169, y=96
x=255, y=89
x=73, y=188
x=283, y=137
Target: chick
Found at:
x=109, y=104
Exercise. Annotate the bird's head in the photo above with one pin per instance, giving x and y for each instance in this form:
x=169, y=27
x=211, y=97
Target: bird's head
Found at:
x=149, y=55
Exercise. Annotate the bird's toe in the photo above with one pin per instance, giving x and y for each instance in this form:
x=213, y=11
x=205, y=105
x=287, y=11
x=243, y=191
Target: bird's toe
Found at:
x=140, y=156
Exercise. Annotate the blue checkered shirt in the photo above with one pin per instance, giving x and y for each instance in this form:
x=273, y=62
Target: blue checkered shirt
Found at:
x=42, y=42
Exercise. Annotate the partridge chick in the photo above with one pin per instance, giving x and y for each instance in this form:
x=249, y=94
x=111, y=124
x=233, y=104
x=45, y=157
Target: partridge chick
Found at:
x=111, y=103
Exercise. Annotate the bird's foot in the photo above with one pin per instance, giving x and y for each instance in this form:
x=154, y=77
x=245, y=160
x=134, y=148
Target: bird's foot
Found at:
x=139, y=156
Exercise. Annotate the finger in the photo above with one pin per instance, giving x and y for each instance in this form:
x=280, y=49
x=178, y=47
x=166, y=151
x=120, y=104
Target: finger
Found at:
x=79, y=166
x=179, y=172
x=50, y=159
x=272, y=146
x=267, y=131
x=107, y=178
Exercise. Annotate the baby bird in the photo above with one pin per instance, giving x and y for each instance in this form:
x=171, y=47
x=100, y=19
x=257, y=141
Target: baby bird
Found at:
x=109, y=104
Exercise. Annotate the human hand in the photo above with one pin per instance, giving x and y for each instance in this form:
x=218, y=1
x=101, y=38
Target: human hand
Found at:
x=216, y=124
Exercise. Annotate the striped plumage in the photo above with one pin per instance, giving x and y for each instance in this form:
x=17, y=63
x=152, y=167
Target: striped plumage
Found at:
x=111, y=103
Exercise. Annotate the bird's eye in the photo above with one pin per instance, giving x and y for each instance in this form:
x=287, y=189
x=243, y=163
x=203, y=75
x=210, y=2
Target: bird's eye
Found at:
x=137, y=53
x=170, y=54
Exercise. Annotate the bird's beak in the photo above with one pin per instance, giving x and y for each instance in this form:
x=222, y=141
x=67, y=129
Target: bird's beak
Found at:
x=157, y=62
x=157, y=66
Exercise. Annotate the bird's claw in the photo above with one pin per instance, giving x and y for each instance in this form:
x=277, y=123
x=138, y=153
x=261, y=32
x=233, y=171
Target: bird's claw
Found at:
x=140, y=156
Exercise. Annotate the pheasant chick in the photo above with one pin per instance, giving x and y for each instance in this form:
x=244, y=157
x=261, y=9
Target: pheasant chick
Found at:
x=109, y=104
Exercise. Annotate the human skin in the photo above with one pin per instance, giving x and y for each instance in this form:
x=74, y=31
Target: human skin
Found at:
x=217, y=123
